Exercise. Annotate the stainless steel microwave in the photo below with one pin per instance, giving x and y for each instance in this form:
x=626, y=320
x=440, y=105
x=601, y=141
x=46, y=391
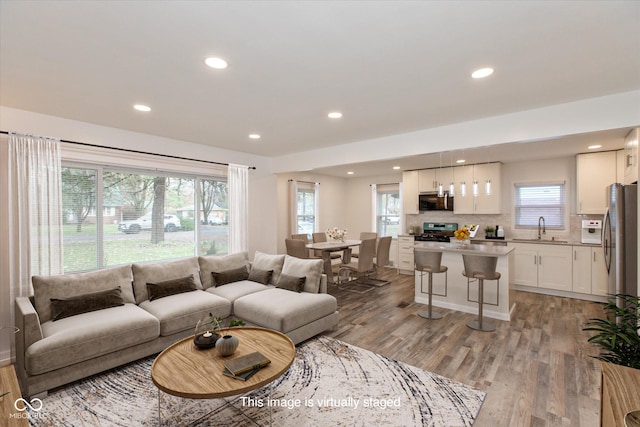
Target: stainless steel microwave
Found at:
x=433, y=202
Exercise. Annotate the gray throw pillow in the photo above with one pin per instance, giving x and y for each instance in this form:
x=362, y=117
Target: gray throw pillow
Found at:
x=67, y=307
x=171, y=287
x=291, y=283
x=229, y=276
x=260, y=276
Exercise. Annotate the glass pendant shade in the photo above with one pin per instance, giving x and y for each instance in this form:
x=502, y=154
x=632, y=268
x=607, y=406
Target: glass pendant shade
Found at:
x=463, y=189
x=452, y=189
x=488, y=187
x=440, y=190
x=475, y=189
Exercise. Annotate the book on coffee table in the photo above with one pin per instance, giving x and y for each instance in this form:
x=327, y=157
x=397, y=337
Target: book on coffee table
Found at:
x=243, y=376
x=246, y=363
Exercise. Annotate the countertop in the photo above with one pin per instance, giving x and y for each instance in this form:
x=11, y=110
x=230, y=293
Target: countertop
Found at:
x=468, y=249
x=546, y=241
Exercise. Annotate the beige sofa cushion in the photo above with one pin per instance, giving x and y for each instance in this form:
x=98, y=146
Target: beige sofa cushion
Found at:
x=71, y=285
x=310, y=268
x=85, y=336
x=219, y=263
x=233, y=291
x=262, y=261
x=163, y=271
x=284, y=310
x=181, y=312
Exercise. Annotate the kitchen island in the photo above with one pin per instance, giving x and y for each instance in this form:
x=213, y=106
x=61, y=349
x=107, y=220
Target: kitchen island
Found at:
x=457, y=297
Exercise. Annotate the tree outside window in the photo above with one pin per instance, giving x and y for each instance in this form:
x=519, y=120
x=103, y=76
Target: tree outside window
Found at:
x=306, y=212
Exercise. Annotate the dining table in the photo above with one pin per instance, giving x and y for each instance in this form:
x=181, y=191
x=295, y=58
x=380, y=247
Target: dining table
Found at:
x=326, y=248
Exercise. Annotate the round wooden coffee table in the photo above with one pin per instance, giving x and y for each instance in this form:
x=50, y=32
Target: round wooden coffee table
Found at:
x=185, y=371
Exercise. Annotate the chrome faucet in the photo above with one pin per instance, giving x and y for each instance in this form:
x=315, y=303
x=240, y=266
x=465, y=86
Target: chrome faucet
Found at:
x=544, y=228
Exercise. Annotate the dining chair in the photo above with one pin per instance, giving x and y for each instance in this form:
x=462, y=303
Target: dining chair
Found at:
x=382, y=252
x=319, y=238
x=296, y=248
x=304, y=237
x=364, y=265
x=364, y=235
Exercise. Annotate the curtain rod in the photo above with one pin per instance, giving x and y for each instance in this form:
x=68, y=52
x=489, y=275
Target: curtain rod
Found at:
x=133, y=151
x=305, y=182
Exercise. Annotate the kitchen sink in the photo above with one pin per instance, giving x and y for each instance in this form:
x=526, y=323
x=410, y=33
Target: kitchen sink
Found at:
x=540, y=241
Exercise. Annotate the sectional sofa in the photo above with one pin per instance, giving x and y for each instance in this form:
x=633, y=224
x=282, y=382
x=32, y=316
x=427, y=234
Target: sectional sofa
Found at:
x=77, y=325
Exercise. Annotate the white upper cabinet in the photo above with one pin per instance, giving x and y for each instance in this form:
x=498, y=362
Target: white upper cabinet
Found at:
x=595, y=171
x=428, y=179
x=410, y=192
x=488, y=179
x=631, y=157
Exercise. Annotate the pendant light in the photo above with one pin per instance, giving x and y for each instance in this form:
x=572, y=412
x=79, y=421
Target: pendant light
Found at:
x=475, y=189
x=487, y=187
x=440, y=188
x=452, y=186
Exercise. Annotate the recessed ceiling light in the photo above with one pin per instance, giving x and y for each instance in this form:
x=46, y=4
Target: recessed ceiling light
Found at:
x=254, y=136
x=217, y=63
x=141, y=107
x=460, y=161
x=350, y=173
x=396, y=167
x=594, y=147
x=482, y=72
x=334, y=115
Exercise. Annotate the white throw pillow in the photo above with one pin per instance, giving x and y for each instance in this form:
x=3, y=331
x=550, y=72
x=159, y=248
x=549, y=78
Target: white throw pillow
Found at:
x=262, y=261
x=310, y=268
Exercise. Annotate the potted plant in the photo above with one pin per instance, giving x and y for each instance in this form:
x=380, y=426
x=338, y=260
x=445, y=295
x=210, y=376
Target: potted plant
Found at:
x=489, y=231
x=617, y=334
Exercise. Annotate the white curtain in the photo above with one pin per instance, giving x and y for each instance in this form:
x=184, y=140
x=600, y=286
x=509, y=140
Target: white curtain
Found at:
x=374, y=207
x=316, y=207
x=35, y=213
x=293, y=207
x=238, y=208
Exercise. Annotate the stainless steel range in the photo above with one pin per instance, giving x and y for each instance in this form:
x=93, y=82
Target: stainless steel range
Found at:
x=436, y=232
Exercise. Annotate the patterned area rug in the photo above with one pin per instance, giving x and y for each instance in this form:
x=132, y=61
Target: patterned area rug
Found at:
x=329, y=383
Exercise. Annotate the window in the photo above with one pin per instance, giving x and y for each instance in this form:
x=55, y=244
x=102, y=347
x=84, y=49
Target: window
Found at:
x=535, y=200
x=306, y=210
x=387, y=209
x=143, y=216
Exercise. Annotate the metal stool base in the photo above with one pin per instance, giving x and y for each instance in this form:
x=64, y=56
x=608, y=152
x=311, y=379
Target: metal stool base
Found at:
x=434, y=315
x=485, y=327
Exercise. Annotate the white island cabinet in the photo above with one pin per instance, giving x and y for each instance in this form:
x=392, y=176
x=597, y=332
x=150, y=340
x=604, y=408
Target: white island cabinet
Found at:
x=458, y=297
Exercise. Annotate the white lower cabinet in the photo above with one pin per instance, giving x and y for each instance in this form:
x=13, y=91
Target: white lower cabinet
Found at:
x=405, y=253
x=589, y=271
x=543, y=266
x=577, y=269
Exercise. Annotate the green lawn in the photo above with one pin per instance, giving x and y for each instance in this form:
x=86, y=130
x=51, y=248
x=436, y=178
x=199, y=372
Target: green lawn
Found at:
x=81, y=255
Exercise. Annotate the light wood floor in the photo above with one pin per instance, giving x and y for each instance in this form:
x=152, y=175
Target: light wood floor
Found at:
x=537, y=369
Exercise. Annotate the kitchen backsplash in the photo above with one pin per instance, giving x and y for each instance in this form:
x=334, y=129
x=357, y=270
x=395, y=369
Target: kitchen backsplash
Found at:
x=504, y=220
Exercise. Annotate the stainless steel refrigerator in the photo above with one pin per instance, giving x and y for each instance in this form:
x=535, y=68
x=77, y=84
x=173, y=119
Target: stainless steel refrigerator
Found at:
x=620, y=239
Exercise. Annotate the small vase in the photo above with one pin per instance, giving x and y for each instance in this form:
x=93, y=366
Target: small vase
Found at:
x=227, y=345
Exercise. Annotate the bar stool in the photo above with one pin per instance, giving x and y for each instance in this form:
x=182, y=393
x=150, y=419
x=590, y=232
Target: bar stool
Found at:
x=481, y=268
x=430, y=262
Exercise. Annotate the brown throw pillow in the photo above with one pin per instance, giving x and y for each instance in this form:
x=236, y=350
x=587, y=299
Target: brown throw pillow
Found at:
x=260, y=276
x=291, y=283
x=171, y=287
x=67, y=307
x=229, y=276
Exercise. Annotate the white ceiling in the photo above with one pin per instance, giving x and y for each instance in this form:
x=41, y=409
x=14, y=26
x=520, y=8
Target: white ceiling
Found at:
x=390, y=67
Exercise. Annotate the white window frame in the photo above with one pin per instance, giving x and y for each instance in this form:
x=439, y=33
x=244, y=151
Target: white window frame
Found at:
x=541, y=209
